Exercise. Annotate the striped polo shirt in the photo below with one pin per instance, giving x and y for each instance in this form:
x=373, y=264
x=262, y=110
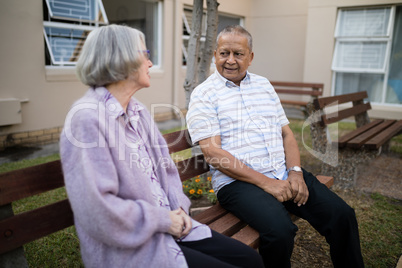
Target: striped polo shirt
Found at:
x=248, y=118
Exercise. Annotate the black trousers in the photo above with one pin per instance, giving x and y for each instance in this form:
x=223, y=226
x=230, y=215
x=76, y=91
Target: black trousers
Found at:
x=324, y=210
x=219, y=251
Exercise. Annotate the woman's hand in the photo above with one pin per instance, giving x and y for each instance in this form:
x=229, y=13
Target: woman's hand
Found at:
x=181, y=223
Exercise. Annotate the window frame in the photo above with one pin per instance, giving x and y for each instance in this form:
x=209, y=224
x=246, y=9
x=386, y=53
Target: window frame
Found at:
x=56, y=63
x=382, y=71
x=98, y=4
x=54, y=21
x=66, y=70
x=158, y=35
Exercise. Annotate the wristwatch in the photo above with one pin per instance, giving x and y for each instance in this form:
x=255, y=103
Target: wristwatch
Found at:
x=295, y=168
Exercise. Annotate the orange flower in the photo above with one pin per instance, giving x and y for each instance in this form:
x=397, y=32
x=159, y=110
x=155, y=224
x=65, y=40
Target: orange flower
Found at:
x=197, y=180
x=192, y=191
x=212, y=191
x=199, y=191
x=209, y=178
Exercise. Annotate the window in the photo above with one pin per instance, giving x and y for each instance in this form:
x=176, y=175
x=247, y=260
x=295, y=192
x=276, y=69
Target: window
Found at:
x=224, y=20
x=368, y=53
x=67, y=23
x=145, y=16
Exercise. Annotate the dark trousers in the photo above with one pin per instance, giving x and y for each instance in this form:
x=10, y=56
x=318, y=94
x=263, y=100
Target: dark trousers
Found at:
x=219, y=251
x=324, y=210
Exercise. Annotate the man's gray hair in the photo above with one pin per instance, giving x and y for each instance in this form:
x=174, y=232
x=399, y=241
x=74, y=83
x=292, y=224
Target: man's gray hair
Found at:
x=110, y=54
x=236, y=29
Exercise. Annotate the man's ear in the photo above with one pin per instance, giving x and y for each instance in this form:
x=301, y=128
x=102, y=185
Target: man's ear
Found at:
x=215, y=56
x=251, y=58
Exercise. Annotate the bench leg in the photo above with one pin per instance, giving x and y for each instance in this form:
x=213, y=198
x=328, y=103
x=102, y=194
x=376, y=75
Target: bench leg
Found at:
x=385, y=148
x=345, y=172
x=14, y=258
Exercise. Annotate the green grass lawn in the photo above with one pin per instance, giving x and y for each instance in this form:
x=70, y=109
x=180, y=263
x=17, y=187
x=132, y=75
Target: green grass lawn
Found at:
x=379, y=218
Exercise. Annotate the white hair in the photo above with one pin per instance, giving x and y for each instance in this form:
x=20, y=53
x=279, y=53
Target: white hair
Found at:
x=110, y=54
x=236, y=29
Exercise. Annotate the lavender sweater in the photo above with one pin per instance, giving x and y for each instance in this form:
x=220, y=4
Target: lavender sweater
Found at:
x=118, y=222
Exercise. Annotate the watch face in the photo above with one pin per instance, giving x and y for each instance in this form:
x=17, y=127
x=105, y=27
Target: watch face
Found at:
x=295, y=168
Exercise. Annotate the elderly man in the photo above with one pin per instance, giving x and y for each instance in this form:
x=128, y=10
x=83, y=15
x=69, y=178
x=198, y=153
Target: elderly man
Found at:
x=240, y=125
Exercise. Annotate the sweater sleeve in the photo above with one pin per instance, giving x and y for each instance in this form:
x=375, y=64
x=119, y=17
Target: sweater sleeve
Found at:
x=92, y=184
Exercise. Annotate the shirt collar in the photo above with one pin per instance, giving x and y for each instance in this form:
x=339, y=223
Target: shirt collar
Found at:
x=229, y=83
x=114, y=107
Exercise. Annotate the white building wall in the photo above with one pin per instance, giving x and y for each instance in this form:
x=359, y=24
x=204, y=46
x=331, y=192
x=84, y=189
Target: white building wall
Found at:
x=279, y=30
x=320, y=43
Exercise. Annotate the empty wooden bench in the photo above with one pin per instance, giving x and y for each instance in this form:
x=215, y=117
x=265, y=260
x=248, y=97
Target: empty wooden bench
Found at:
x=18, y=230
x=295, y=92
x=365, y=142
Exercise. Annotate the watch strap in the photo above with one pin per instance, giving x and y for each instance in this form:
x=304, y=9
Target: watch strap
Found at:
x=295, y=168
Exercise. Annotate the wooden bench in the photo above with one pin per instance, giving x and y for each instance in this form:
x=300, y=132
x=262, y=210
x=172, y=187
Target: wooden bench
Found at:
x=343, y=155
x=297, y=90
x=17, y=230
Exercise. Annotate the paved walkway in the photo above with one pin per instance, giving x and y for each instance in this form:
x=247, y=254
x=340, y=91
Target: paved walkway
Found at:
x=381, y=175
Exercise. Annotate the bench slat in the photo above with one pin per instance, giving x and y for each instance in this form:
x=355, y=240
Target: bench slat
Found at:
x=300, y=103
x=326, y=180
x=298, y=91
x=211, y=214
x=337, y=116
x=178, y=141
x=335, y=100
x=227, y=225
x=29, y=226
x=297, y=84
x=192, y=167
x=22, y=183
x=345, y=138
x=358, y=141
x=295, y=88
x=380, y=139
x=248, y=236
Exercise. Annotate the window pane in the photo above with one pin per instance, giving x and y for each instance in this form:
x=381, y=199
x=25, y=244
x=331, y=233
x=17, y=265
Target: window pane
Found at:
x=81, y=10
x=364, y=22
x=360, y=55
x=352, y=82
x=394, y=89
x=226, y=21
x=141, y=15
x=188, y=21
x=64, y=44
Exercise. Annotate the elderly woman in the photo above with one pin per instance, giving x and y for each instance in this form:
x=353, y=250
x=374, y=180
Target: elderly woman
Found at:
x=125, y=192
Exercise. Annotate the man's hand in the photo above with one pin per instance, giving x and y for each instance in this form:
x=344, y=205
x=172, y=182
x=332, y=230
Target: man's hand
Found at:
x=280, y=189
x=181, y=223
x=299, y=187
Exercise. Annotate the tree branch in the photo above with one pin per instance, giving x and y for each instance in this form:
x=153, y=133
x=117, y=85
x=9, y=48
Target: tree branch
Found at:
x=193, y=49
x=212, y=29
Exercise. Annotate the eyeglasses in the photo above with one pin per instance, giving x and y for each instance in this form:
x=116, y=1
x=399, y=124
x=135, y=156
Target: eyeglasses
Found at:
x=146, y=53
